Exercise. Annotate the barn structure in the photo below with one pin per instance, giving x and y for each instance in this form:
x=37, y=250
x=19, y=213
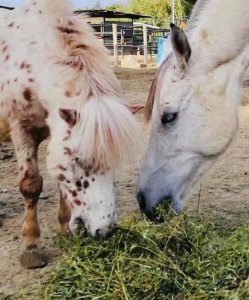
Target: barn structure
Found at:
x=102, y=20
x=6, y=7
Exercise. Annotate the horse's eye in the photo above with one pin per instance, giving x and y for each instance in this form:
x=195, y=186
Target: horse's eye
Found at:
x=168, y=117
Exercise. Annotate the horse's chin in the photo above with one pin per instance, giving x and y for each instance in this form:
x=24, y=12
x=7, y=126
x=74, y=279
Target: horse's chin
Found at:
x=184, y=191
x=167, y=192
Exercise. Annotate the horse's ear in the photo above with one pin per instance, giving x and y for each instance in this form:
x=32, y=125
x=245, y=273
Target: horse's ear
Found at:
x=135, y=108
x=180, y=46
x=68, y=115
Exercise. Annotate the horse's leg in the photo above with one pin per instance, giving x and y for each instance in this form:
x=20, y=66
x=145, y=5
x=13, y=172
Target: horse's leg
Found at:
x=30, y=183
x=64, y=214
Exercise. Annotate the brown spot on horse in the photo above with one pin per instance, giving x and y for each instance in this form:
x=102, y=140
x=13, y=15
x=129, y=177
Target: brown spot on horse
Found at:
x=24, y=65
x=77, y=202
x=67, y=30
x=74, y=193
x=68, y=151
x=85, y=184
x=61, y=177
x=62, y=168
x=68, y=94
x=78, y=183
x=5, y=48
x=27, y=94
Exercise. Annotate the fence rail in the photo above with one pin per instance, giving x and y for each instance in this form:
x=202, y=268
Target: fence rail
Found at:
x=117, y=46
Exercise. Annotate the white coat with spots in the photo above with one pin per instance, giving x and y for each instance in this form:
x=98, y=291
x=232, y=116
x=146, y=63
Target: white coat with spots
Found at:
x=193, y=102
x=55, y=80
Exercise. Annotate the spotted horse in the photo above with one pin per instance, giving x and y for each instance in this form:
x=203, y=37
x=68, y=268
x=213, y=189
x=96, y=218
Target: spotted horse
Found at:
x=55, y=80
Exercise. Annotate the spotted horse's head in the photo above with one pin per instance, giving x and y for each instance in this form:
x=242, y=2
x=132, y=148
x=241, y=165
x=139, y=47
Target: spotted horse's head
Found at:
x=83, y=154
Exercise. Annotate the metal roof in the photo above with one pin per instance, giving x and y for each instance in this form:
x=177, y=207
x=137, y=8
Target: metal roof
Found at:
x=6, y=7
x=111, y=14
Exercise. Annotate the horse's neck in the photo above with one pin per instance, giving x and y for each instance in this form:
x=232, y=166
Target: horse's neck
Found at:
x=220, y=33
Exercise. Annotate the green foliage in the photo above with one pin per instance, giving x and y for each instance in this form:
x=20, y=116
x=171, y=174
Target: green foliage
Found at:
x=160, y=10
x=184, y=258
x=117, y=7
x=187, y=7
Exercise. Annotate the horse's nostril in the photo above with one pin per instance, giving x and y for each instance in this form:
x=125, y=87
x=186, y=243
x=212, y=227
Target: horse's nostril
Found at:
x=141, y=200
x=166, y=204
x=98, y=233
x=80, y=224
x=78, y=221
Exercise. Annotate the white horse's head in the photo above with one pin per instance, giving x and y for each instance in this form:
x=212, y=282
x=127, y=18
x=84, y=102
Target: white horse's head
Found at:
x=194, y=119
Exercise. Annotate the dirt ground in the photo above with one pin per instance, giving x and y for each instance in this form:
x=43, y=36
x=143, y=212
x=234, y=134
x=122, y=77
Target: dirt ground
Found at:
x=225, y=191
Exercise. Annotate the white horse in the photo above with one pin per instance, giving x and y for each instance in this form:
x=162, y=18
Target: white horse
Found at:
x=55, y=80
x=193, y=102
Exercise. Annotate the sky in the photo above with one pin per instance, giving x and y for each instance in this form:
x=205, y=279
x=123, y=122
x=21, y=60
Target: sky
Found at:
x=77, y=3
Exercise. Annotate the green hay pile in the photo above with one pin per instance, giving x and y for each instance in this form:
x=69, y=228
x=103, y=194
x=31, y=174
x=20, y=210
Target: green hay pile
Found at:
x=183, y=258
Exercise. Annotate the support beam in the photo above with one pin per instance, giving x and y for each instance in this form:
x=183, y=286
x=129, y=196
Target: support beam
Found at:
x=115, y=44
x=145, y=44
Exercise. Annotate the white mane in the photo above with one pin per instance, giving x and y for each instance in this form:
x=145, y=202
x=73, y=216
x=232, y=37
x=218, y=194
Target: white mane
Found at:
x=109, y=134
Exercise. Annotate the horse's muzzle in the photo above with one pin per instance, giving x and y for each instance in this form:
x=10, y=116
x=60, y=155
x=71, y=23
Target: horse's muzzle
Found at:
x=155, y=213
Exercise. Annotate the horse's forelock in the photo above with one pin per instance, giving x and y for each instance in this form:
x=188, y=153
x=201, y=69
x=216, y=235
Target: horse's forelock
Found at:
x=155, y=87
x=150, y=101
x=109, y=133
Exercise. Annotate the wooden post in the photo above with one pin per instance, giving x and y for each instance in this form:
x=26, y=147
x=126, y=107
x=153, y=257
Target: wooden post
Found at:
x=115, y=44
x=145, y=44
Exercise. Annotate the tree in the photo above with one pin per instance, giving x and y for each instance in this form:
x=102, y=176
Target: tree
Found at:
x=117, y=7
x=97, y=5
x=160, y=10
x=191, y=1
